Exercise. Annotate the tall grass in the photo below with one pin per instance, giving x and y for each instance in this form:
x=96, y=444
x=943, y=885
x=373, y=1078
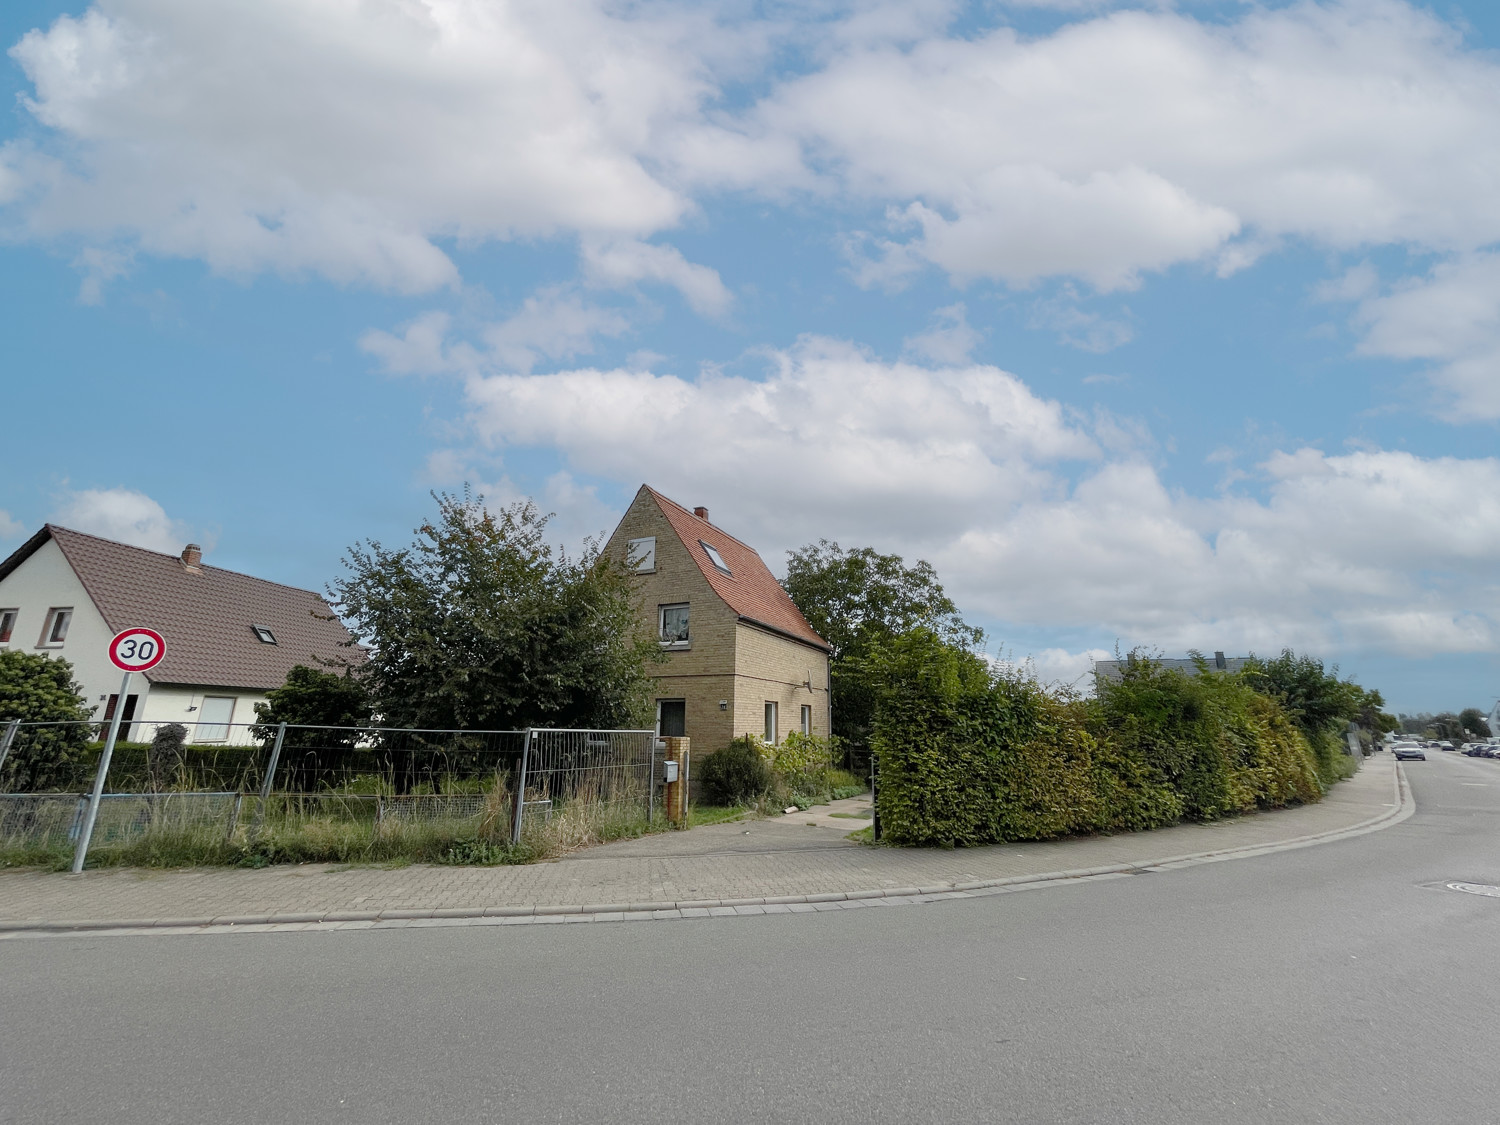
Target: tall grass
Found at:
x=333, y=828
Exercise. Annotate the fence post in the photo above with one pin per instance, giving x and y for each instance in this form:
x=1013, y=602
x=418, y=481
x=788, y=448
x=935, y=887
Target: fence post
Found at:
x=651, y=785
x=265, y=786
x=519, y=806
x=874, y=802
x=674, y=793
x=87, y=833
x=7, y=738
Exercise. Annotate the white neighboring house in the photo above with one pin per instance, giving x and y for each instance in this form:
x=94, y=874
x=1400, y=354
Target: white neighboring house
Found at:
x=230, y=638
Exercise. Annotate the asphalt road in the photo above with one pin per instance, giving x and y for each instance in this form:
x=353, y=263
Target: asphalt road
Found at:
x=1329, y=984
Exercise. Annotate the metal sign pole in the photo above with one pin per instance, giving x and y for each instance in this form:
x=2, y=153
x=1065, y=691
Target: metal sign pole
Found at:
x=8, y=740
x=265, y=788
x=520, y=802
x=109, y=748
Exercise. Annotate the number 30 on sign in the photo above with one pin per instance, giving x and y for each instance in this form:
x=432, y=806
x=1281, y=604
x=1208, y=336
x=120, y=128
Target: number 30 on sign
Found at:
x=136, y=650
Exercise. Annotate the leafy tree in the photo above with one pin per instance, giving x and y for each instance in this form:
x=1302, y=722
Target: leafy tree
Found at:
x=481, y=624
x=1320, y=703
x=1472, y=719
x=857, y=600
x=313, y=697
x=38, y=689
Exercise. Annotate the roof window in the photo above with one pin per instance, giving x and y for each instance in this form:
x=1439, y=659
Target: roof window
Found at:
x=263, y=634
x=715, y=558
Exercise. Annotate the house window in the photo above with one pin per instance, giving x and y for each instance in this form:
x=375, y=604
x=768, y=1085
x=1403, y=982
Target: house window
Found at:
x=55, y=631
x=806, y=720
x=7, y=624
x=674, y=625
x=715, y=558
x=214, y=717
x=640, y=554
x=264, y=635
x=671, y=718
x=771, y=722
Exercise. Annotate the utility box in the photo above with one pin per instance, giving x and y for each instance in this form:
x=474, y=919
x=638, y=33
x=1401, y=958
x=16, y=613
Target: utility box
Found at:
x=670, y=776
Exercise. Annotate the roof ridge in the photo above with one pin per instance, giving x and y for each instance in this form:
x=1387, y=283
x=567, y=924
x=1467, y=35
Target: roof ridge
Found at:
x=55, y=527
x=688, y=511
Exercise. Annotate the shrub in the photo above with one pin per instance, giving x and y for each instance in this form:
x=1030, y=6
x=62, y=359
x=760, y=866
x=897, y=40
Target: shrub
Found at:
x=737, y=774
x=165, y=757
x=35, y=688
x=969, y=756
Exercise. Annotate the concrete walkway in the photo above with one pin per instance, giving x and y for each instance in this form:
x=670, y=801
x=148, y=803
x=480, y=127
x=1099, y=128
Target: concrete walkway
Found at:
x=784, y=862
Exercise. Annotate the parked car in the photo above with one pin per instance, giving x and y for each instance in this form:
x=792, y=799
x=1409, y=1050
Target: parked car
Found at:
x=1491, y=751
x=1445, y=746
x=1410, y=754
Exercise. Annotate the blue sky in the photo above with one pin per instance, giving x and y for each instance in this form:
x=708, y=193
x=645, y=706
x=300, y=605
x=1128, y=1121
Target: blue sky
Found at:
x=1147, y=324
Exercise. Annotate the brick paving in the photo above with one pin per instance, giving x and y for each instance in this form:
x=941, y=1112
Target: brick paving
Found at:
x=765, y=859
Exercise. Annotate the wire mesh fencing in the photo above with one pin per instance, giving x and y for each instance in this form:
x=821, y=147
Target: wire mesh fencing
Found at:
x=284, y=782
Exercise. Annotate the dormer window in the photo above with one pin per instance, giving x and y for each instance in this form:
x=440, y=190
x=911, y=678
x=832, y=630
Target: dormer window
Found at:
x=716, y=558
x=263, y=634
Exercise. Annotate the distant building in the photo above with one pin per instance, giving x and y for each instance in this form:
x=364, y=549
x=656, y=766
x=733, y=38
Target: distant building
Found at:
x=741, y=658
x=1114, y=669
x=230, y=638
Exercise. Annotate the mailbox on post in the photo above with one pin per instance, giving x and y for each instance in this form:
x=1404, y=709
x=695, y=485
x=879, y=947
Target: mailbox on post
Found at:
x=670, y=776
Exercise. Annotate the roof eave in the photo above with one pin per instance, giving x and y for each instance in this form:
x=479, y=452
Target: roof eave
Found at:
x=25, y=551
x=820, y=645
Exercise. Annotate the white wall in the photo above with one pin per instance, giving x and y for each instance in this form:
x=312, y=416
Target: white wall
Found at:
x=45, y=580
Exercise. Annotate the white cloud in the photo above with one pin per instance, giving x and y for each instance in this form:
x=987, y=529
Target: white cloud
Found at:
x=554, y=323
x=951, y=339
x=622, y=263
x=346, y=139
x=1025, y=518
x=360, y=141
x=10, y=528
x=1134, y=140
x=1450, y=318
x=122, y=514
x=830, y=429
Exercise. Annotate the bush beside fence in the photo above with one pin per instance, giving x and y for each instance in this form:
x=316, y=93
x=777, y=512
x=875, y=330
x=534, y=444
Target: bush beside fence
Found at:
x=969, y=757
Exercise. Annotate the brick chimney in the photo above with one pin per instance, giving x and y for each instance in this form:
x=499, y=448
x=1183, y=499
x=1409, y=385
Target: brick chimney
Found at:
x=701, y=513
x=192, y=556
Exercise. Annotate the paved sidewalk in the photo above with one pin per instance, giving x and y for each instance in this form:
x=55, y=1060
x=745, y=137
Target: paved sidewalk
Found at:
x=719, y=867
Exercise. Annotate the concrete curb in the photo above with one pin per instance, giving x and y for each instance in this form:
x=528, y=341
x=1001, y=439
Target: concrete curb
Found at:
x=1404, y=806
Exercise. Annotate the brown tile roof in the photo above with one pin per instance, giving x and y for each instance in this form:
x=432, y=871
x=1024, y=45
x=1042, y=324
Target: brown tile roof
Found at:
x=204, y=617
x=750, y=589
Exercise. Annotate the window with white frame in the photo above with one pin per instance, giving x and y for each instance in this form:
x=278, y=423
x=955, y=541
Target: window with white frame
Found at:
x=7, y=624
x=55, y=628
x=806, y=720
x=771, y=722
x=214, y=717
x=640, y=554
x=715, y=558
x=674, y=625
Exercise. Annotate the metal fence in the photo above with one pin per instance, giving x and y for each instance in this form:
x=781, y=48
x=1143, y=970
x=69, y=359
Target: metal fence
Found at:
x=385, y=777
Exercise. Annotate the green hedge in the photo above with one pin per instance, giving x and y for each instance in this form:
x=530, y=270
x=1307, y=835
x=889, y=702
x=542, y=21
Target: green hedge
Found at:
x=969, y=757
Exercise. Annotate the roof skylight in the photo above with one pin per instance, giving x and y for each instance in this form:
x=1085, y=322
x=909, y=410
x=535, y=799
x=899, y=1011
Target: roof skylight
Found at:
x=715, y=558
x=263, y=634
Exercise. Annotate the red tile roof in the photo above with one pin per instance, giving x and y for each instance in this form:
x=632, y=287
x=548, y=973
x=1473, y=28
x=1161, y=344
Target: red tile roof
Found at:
x=205, y=617
x=750, y=589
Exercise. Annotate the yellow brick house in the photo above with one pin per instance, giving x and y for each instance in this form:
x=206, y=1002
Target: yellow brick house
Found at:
x=741, y=658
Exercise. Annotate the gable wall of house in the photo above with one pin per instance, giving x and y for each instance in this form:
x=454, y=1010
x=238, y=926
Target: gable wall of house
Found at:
x=703, y=673
x=773, y=668
x=729, y=661
x=46, y=581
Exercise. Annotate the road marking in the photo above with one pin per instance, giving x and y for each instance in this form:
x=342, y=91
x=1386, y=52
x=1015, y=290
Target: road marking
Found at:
x=1476, y=889
x=1476, y=784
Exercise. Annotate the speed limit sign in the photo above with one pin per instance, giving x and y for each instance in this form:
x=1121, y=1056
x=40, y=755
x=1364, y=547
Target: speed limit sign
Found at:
x=137, y=650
